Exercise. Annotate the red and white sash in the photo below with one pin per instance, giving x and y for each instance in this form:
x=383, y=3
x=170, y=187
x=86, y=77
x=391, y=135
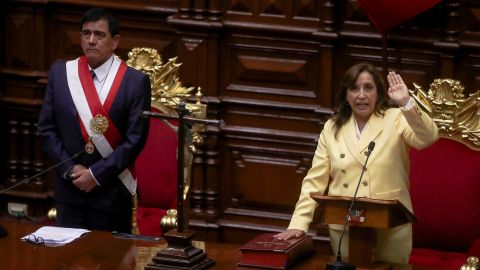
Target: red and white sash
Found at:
x=88, y=104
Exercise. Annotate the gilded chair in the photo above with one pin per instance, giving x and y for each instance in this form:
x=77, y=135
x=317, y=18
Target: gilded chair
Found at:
x=445, y=179
x=156, y=166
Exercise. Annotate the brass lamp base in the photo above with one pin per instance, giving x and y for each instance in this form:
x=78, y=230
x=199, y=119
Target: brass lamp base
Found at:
x=180, y=254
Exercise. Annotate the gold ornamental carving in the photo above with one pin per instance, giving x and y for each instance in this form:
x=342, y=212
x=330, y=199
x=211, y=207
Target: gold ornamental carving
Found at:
x=471, y=264
x=456, y=115
x=169, y=221
x=167, y=90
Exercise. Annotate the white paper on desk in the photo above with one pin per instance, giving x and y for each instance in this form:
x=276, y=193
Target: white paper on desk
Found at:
x=55, y=236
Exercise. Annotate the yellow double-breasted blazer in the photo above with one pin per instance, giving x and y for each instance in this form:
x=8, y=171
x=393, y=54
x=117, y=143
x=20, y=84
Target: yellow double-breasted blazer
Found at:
x=338, y=161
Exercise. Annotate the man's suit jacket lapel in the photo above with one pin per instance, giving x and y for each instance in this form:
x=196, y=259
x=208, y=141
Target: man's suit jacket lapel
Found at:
x=358, y=147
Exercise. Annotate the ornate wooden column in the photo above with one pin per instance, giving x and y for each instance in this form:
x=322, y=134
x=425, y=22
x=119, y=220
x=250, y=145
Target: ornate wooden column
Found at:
x=449, y=46
x=197, y=25
x=327, y=35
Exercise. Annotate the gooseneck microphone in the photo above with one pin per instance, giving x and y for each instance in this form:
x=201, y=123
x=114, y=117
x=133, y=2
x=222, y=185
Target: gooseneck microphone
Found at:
x=3, y=232
x=339, y=264
x=42, y=172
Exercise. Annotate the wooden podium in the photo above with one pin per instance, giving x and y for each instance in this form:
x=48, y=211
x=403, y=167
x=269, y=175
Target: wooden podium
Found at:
x=378, y=214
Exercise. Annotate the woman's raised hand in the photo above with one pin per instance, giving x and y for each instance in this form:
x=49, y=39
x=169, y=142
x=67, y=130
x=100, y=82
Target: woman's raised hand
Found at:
x=397, y=90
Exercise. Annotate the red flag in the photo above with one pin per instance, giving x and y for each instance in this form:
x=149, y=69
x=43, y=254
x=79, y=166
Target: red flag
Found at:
x=386, y=14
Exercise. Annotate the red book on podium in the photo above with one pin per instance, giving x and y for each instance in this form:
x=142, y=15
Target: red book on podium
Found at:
x=266, y=252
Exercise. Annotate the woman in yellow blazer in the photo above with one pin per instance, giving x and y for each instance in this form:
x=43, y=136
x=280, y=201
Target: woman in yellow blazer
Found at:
x=364, y=116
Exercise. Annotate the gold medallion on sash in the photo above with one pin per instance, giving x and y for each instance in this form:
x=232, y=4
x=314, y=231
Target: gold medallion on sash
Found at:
x=98, y=125
x=89, y=147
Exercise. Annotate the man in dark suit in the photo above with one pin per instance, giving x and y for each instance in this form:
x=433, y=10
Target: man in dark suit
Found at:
x=92, y=108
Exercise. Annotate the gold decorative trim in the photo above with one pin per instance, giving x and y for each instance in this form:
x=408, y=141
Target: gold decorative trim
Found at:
x=457, y=116
x=169, y=221
x=167, y=90
x=471, y=264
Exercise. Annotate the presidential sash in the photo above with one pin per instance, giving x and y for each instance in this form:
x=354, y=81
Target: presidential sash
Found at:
x=97, y=128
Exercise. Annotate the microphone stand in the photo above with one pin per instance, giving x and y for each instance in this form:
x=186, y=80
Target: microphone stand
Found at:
x=3, y=231
x=339, y=264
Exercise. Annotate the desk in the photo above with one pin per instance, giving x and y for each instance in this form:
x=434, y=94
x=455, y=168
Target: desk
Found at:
x=100, y=250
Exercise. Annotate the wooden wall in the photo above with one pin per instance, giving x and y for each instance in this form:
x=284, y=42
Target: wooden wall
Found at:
x=269, y=68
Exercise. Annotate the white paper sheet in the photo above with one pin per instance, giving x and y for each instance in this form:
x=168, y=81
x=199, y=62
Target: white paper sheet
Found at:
x=54, y=236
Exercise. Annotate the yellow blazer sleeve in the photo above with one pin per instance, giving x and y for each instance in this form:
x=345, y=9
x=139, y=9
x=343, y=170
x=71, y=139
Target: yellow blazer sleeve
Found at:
x=316, y=180
x=421, y=130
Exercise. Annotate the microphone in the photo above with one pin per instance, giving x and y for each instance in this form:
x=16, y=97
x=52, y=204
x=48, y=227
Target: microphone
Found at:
x=339, y=264
x=42, y=172
x=3, y=231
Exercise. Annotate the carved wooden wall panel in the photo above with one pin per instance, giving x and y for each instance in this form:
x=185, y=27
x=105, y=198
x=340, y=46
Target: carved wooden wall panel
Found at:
x=195, y=48
x=64, y=34
x=269, y=68
x=275, y=70
x=471, y=21
x=22, y=158
x=469, y=71
x=250, y=192
x=24, y=38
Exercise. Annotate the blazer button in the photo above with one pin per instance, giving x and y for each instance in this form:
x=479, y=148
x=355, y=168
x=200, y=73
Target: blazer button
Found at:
x=365, y=183
x=342, y=155
x=345, y=185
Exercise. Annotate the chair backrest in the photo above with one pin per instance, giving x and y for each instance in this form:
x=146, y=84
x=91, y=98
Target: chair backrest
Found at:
x=156, y=166
x=445, y=178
